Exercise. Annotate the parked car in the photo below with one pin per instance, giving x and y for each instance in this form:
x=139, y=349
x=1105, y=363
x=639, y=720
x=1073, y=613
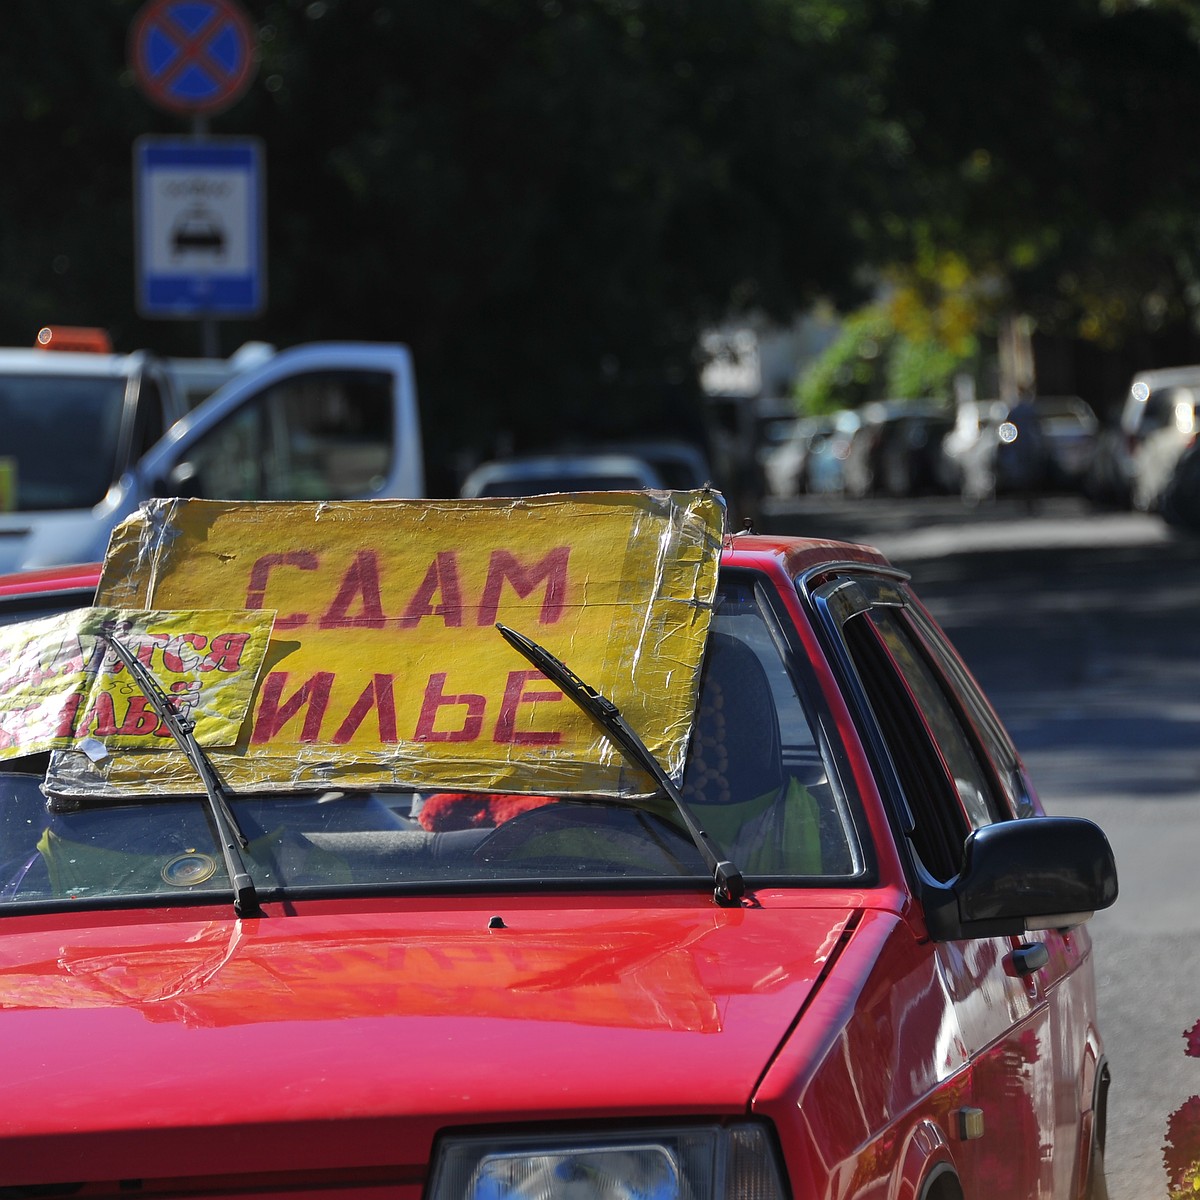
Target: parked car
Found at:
x=894, y=450
x=90, y=434
x=1179, y=504
x=824, y=470
x=901, y=456
x=680, y=464
x=1159, y=421
x=785, y=464
x=536, y=474
x=835, y=948
x=1108, y=481
x=999, y=449
x=1070, y=429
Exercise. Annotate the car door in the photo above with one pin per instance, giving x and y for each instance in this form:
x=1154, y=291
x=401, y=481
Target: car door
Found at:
x=941, y=784
x=1065, y=978
x=332, y=421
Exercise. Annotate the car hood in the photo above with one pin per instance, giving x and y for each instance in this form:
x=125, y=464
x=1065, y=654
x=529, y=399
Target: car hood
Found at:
x=49, y=539
x=405, y=1022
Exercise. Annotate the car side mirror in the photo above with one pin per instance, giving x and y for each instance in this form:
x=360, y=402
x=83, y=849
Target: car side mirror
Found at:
x=1023, y=875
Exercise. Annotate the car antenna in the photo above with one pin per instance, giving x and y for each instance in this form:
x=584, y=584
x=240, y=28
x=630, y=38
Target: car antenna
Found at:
x=182, y=729
x=730, y=886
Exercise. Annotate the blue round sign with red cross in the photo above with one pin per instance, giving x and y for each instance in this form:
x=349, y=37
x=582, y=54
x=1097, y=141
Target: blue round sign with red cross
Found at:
x=192, y=56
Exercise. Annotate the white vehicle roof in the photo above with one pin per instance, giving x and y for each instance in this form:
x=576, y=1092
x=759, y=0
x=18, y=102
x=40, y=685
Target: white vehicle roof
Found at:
x=1168, y=377
x=68, y=362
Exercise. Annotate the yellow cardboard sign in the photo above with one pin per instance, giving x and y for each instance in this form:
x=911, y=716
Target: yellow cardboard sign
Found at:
x=385, y=666
x=61, y=682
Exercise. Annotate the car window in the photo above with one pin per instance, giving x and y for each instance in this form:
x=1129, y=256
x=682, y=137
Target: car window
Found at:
x=757, y=778
x=321, y=436
x=149, y=420
x=53, y=472
x=987, y=732
x=946, y=786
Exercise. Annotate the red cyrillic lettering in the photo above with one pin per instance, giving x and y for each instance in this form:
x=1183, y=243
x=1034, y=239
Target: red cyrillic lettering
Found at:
x=514, y=696
x=173, y=659
x=66, y=718
x=361, y=583
x=436, y=699
x=274, y=712
x=99, y=719
x=141, y=718
x=551, y=570
x=225, y=652
x=377, y=694
x=302, y=560
x=442, y=576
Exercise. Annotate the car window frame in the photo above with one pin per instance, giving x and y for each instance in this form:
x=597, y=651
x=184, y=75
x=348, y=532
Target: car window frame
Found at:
x=838, y=594
x=781, y=625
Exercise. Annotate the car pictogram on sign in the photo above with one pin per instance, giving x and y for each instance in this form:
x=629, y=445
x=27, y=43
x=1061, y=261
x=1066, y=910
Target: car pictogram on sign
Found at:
x=197, y=230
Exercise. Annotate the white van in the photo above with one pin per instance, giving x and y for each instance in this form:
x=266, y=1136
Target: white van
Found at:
x=1159, y=420
x=86, y=437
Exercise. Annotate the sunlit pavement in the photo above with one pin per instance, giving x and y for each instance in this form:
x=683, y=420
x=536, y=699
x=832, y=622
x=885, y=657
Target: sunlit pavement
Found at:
x=935, y=525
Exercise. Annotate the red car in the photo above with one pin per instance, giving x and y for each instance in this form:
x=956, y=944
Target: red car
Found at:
x=883, y=989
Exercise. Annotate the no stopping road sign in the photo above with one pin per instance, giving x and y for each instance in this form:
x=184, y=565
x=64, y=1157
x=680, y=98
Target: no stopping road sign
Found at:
x=192, y=56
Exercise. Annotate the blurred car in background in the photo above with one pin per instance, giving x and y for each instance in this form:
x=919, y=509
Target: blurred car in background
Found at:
x=824, y=469
x=1035, y=445
x=1108, y=480
x=1070, y=429
x=540, y=474
x=1159, y=422
x=681, y=465
x=1179, y=504
x=785, y=464
x=894, y=450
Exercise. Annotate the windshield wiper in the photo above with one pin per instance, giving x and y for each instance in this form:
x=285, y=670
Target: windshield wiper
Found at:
x=730, y=886
x=182, y=728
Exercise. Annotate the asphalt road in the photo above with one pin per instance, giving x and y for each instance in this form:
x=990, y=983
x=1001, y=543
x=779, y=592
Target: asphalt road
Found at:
x=1084, y=629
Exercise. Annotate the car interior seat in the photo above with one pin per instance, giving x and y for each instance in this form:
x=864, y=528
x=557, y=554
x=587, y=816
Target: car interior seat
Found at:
x=734, y=753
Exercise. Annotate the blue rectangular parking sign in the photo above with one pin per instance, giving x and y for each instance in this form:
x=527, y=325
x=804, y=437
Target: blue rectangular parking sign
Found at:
x=199, y=227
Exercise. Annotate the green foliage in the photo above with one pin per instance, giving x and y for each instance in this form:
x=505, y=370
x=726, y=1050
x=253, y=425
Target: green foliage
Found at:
x=887, y=352
x=852, y=371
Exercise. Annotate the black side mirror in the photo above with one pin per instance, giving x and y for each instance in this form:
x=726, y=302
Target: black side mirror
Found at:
x=1023, y=875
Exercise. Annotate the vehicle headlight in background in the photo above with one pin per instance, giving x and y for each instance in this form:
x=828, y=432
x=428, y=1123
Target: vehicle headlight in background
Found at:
x=708, y=1162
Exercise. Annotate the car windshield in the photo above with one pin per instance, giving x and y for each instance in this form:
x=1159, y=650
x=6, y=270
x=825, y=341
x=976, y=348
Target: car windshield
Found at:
x=54, y=471
x=758, y=779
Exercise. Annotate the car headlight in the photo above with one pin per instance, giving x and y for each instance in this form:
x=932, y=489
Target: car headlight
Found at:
x=707, y=1162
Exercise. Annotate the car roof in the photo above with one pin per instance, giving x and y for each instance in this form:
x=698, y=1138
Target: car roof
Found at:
x=793, y=555
x=617, y=472
x=67, y=362
x=1168, y=376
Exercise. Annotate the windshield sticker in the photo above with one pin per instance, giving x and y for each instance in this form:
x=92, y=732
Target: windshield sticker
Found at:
x=61, y=683
x=385, y=666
